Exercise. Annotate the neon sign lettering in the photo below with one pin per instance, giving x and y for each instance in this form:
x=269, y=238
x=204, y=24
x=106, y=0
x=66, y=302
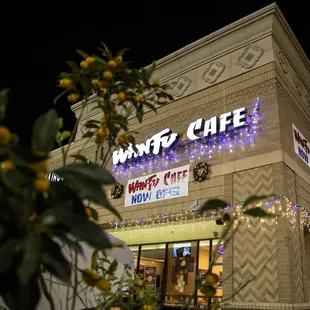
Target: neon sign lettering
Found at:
x=166, y=139
x=163, y=139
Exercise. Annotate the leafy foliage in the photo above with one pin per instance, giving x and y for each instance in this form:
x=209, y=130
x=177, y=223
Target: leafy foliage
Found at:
x=121, y=91
x=39, y=218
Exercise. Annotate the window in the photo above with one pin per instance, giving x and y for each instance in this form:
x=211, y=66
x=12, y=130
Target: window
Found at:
x=181, y=273
x=135, y=250
x=152, y=263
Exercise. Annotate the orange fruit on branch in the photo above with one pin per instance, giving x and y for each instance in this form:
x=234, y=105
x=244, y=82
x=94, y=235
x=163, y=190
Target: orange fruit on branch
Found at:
x=121, y=96
x=66, y=83
x=138, y=98
x=104, y=131
x=41, y=184
x=84, y=65
x=6, y=165
x=118, y=59
x=112, y=64
x=107, y=75
x=122, y=139
x=5, y=135
x=90, y=59
x=104, y=83
x=73, y=97
x=95, y=82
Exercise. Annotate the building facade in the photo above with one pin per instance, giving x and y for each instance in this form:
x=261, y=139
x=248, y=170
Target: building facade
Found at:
x=253, y=76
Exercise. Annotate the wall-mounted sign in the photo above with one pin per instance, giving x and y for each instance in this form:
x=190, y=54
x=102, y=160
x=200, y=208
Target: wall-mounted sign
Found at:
x=167, y=184
x=150, y=277
x=199, y=129
x=301, y=145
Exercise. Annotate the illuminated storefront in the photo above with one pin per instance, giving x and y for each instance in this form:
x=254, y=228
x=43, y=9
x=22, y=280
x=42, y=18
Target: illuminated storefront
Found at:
x=238, y=126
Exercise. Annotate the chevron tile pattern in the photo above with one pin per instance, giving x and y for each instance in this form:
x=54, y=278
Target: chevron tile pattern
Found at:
x=290, y=184
x=298, y=267
x=258, y=181
x=253, y=248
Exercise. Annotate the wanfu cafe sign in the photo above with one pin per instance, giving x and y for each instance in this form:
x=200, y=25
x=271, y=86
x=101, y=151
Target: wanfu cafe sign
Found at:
x=172, y=183
x=201, y=128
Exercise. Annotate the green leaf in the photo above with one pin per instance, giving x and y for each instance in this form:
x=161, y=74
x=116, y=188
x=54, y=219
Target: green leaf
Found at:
x=79, y=157
x=44, y=132
x=19, y=296
x=94, y=214
x=150, y=105
x=65, y=135
x=100, y=60
x=213, y=204
x=112, y=268
x=4, y=96
x=74, y=67
x=93, y=121
x=14, y=139
x=7, y=252
x=107, y=51
x=89, y=188
x=140, y=113
x=93, y=172
x=24, y=156
x=60, y=121
x=91, y=125
x=258, y=212
x=31, y=257
x=58, y=135
x=79, y=226
x=86, y=85
x=88, y=134
x=54, y=261
x=82, y=54
x=122, y=51
x=94, y=259
x=253, y=199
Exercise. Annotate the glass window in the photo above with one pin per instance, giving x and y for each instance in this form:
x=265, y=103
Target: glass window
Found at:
x=152, y=263
x=218, y=269
x=203, y=267
x=135, y=250
x=181, y=273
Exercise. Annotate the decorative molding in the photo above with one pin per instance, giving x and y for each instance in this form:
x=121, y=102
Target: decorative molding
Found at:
x=294, y=106
x=250, y=56
x=282, y=60
x=308, y=99
x=177, y=119
x=213, y=72
x=180, y=86
x=297, y=84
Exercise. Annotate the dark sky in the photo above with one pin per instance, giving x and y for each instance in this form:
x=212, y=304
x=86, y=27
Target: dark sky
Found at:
x=37, y=39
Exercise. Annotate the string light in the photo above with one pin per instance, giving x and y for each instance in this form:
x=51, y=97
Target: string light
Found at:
x=202, y=148
x=280, y=207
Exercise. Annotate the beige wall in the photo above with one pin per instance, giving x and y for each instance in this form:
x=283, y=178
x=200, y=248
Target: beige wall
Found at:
x=278, y=73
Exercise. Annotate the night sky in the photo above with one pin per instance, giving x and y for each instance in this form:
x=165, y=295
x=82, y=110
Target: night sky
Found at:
x=38, y=39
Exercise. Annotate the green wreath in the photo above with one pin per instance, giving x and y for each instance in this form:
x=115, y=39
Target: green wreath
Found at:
x=117, y=191
x=201, y=172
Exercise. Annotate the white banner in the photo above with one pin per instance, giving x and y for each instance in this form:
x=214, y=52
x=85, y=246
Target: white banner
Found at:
x=172, y=183
x=301, y=145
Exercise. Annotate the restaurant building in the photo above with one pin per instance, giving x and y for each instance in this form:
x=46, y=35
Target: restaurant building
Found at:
x=238, y=126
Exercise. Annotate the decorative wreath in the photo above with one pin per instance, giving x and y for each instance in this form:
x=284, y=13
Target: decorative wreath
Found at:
x=200, y=172
x=117, y=191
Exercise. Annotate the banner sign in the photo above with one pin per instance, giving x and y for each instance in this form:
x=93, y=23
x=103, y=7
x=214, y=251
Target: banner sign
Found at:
x=167, y=184
x=301, y=146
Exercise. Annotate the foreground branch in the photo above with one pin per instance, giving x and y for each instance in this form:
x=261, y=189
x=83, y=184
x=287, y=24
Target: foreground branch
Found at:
x=46, y=293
